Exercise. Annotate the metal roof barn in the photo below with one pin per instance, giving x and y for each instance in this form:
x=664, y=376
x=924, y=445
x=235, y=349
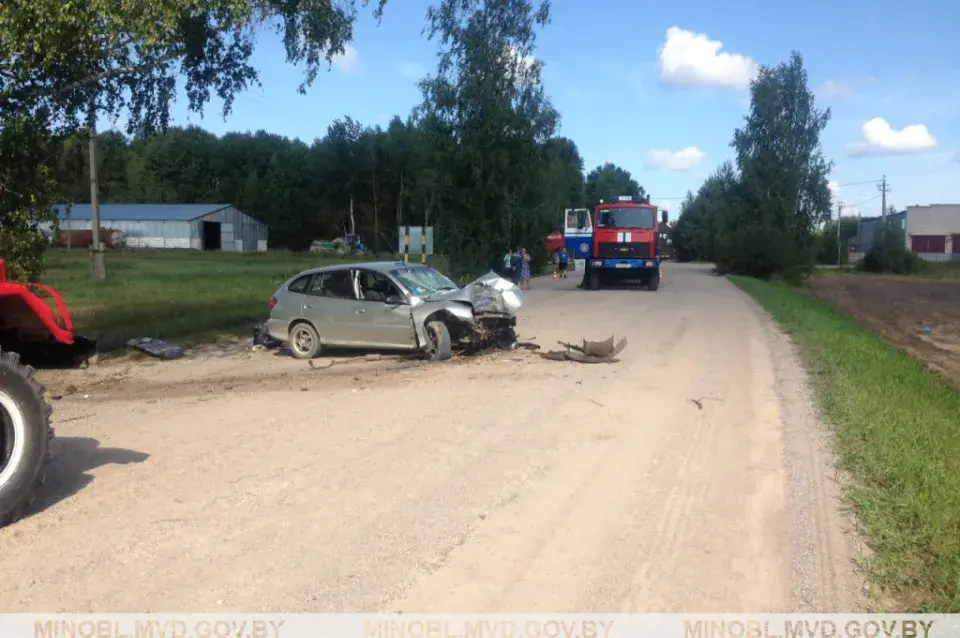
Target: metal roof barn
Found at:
x=185, y=226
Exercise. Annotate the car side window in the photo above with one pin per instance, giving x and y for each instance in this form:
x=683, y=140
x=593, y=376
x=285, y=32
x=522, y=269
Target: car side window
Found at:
x=336, y=284
x=299, y=285
x=376, y=286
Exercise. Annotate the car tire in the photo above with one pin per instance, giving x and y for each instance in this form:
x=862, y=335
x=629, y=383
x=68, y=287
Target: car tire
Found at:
x=304, y=341
x=438, y=341
x=25, y=435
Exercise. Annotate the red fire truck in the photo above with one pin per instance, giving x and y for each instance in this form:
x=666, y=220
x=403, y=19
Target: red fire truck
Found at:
x=625, y=244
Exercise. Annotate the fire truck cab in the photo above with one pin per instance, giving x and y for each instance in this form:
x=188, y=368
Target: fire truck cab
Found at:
x=625, y=244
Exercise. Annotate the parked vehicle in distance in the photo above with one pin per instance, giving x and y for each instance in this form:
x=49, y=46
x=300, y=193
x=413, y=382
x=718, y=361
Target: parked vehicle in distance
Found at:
x=394, y=306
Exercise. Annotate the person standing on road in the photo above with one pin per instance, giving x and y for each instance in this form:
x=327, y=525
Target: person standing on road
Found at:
x=516, y=266
x=525, y=269
x=562, y=260
x=508, y=264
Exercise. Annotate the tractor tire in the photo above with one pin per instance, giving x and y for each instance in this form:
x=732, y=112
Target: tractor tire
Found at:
x=593, y=279
x=25, y=436
x=653, y=282
x=438, y=341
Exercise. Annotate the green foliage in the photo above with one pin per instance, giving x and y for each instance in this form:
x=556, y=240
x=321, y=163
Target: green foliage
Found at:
x=827, y=247
x=26, y=184
x=777, y=193
x=889, y=254
x=491, y=177
x=609, y=182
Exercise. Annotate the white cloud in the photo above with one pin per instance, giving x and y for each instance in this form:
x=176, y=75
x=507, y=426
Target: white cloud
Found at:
x=692, y=59
x=665, y=204
x=879, y=138
x=956, y=157
x=682, y=160
x=834, y=187
x=517, y=63
x=412, y=70
x=348, y=61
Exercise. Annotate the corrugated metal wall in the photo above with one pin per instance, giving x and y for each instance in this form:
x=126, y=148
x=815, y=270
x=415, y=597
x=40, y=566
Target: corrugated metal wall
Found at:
x=140, y=234
x=238, y=232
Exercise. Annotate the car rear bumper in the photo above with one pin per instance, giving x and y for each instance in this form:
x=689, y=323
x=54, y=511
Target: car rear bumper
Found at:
x=278, y=329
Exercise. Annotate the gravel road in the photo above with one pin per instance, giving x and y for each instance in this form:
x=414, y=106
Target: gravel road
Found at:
x=244, y=481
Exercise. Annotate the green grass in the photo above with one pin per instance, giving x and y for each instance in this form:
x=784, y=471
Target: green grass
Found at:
x=897, y=430
x=934, y=271
x=186, y=297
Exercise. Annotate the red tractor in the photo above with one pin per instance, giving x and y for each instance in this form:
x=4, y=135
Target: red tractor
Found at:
x=31, y=331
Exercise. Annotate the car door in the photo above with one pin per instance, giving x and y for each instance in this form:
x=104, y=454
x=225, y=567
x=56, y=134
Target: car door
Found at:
x=288, y=307
x=330, y=304
x=382, y=324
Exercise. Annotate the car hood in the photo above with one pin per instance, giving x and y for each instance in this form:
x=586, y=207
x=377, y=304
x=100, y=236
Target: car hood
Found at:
x=488, y=294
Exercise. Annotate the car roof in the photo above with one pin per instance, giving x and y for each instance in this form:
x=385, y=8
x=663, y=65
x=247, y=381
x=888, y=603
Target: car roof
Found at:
x=376, y=266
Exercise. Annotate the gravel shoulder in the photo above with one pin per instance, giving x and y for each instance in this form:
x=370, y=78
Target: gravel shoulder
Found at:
x=691, y=476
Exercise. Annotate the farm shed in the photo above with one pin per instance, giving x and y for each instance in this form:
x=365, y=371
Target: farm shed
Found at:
x=186, y=226
x=933, y=232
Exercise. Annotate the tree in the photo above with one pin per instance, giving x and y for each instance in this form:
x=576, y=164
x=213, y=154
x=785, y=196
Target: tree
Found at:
x=609, y=182
x=486, y=116
x=783, y=176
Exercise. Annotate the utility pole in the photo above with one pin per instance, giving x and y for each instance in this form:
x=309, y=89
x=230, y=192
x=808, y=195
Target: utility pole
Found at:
x=839, y=215
x=97, y=257
x=884, y=188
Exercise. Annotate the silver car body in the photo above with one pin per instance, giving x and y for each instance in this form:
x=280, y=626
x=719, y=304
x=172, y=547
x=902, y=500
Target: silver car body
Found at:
x=393, y=318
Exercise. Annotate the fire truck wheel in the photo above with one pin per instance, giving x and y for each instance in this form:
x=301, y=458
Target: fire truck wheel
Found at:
x=593, y=279
x=653, y=281
x=25, y=435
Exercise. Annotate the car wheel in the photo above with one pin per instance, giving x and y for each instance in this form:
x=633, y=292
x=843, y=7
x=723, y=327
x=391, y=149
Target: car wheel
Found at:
x=438, y=341
x=304, y=341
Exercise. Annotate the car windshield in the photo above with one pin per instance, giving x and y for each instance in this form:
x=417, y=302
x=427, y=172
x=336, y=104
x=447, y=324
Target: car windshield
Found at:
x=643, y=218
x=423, y=282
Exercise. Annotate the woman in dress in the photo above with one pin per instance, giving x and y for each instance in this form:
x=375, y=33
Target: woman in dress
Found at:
x=525, y=270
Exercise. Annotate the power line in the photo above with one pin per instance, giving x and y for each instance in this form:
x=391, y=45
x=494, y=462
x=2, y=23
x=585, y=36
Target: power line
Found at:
x=872, y=181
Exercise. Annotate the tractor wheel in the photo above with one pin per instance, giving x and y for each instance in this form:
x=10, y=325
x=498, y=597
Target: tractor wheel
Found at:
x=25, y=435
x=438, y=341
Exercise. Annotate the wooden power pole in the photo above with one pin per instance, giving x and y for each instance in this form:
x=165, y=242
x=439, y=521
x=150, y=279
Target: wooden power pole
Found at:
x=97, y=257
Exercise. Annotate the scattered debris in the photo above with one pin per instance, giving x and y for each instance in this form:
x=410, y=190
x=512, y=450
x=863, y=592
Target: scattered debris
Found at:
x=526, y=345
x=596, y=402
x=589, y=352
x=322, y=364
x=262, y=339
x=699, y=402
x=926, y=331
x=156, y=348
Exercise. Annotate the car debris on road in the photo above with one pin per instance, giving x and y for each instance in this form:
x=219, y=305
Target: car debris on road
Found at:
x=590, y=352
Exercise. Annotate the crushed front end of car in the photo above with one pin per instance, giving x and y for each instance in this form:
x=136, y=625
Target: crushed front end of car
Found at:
x=481, y=315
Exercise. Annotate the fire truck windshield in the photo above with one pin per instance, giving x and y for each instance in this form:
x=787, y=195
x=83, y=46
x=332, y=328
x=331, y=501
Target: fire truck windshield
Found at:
x=643, y=218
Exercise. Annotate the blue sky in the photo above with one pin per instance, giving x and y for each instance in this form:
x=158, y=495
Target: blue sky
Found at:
x=637, y=83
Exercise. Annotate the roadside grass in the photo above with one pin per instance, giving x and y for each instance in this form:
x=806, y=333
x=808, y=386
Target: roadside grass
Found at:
x=897, y=430
x=934, y=271
x=186, y=297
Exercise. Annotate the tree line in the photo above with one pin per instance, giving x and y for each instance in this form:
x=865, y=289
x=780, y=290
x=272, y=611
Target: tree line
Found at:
x=479, y=158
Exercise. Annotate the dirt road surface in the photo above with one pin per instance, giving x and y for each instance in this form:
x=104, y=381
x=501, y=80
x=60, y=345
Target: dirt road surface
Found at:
x=251, y=482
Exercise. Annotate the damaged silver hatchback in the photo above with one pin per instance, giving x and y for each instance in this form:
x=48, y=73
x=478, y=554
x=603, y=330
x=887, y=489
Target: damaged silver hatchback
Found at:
x=392, y=306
